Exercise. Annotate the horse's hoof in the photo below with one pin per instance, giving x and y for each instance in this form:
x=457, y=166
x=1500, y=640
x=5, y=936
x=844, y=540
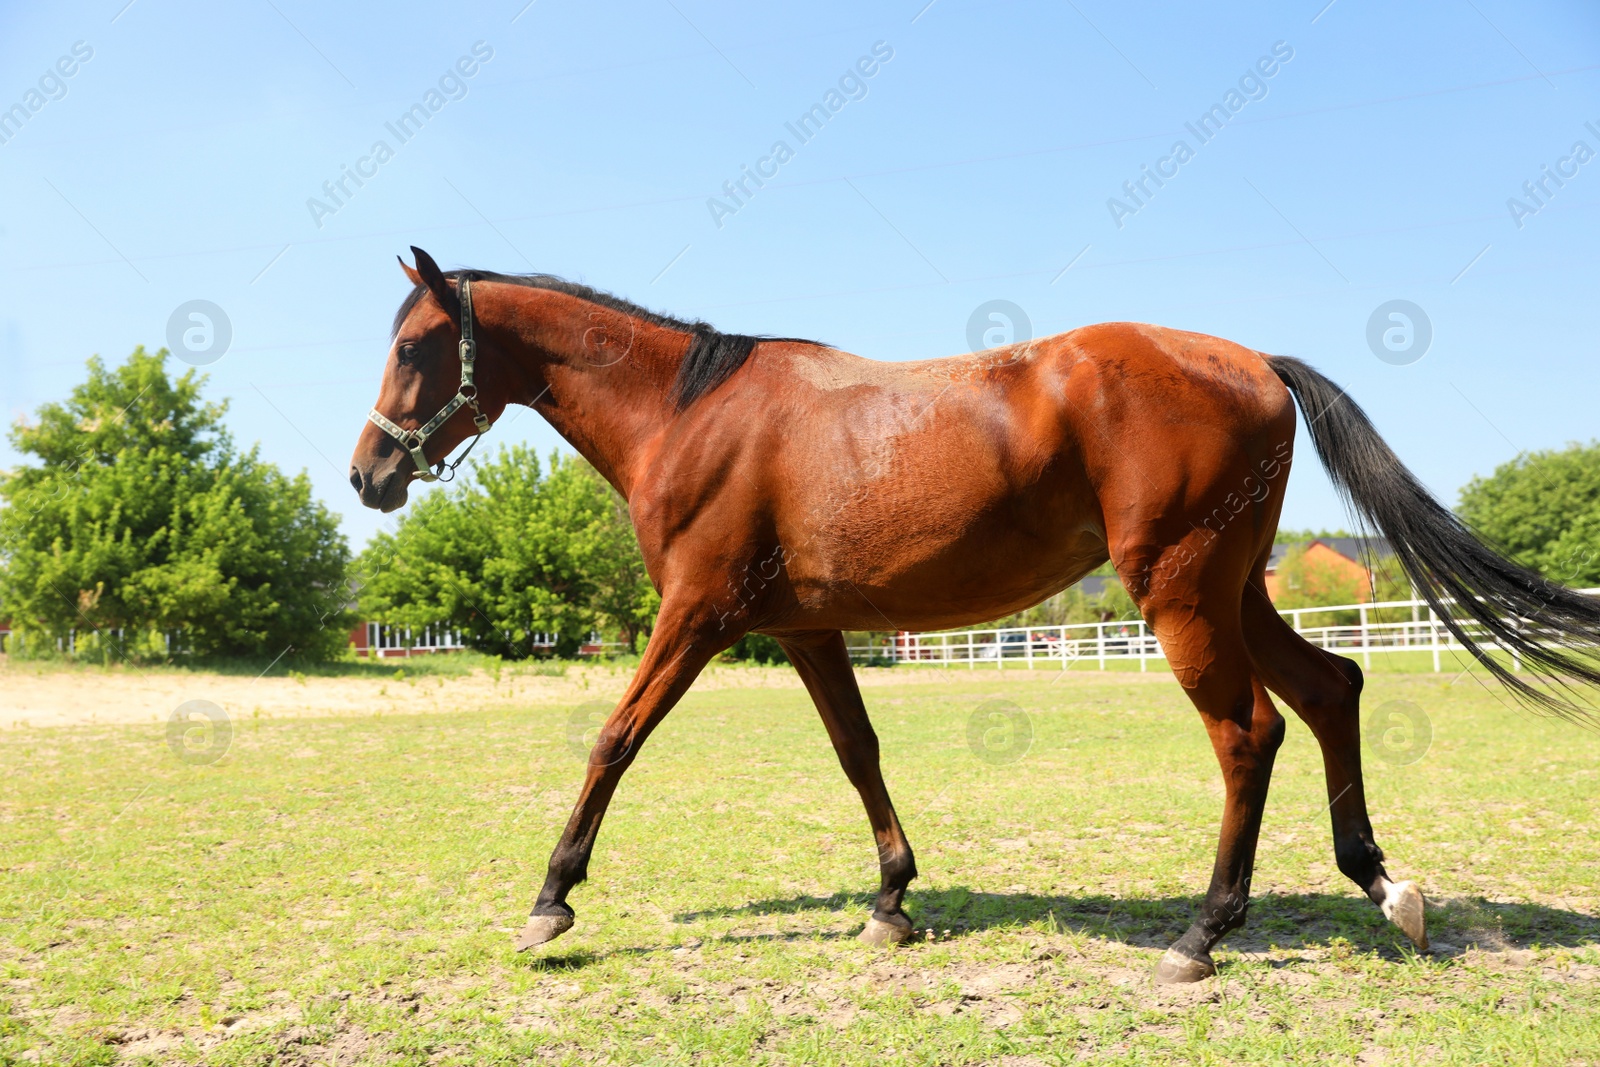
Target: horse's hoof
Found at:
x=891, y=932
x=1179, y=968
x=542, y=928
x=1403, y=905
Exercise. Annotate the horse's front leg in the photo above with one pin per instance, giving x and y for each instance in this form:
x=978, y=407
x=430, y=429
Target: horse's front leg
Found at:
x=681, y=645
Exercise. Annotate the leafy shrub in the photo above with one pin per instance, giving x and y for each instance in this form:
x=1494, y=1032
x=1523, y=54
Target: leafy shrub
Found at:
x=514, y=554
x=141, y=524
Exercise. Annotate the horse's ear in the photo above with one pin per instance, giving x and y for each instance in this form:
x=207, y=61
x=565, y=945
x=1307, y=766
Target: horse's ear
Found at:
x=411, y=272
x=437, y=283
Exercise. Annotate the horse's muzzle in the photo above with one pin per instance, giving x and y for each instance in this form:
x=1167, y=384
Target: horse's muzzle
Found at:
x=384, y=490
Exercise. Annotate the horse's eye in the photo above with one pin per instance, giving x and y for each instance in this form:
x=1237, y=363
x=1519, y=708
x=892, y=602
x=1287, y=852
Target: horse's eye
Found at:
x=408, y=353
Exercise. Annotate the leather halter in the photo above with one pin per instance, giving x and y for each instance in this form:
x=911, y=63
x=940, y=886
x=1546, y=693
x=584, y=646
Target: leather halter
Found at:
x=466, y=396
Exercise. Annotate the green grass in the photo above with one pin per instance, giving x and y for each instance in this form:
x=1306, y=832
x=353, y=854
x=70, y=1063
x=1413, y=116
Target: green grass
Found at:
x=343, y=891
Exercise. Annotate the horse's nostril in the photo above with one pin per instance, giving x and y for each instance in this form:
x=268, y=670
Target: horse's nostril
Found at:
x=355, y=479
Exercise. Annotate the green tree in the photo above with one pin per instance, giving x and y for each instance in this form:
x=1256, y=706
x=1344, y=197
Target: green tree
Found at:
x=1286, y=536
x=757, y=648
x=622, y=596
x=1307, y=581
x=1074, y=605
x=1544, y=509
x=511, y=554
x=141, y=517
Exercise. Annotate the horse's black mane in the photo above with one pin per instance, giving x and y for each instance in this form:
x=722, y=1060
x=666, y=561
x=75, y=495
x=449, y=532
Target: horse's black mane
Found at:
x=713, y=355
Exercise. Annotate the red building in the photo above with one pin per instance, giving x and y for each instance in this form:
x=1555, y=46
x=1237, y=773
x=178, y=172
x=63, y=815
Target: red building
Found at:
x=1353, y=557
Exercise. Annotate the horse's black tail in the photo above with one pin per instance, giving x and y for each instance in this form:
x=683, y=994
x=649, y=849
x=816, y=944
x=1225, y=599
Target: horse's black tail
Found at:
x=1553, y=629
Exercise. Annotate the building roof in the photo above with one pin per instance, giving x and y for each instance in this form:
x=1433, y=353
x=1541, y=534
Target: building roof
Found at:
x=1362, y=550
x=1096, y=584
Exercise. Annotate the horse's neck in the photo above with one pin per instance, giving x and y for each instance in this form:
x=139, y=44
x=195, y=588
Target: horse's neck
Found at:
x=601, y=378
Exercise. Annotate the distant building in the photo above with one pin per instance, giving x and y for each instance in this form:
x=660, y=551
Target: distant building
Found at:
x=1096, y=584
x=1358, y=556
x=376, y=640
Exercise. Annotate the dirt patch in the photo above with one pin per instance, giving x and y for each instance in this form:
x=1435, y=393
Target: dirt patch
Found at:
x=38, y=696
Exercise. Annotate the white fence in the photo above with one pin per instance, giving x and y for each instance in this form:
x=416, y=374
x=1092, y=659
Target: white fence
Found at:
x=1374, y=632
x=387, y=642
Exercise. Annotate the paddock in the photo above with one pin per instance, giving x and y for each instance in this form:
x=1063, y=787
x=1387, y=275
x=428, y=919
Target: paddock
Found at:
x=339, y=886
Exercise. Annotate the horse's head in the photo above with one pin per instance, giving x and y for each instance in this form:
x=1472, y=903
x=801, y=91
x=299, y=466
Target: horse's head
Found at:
x=432, y=396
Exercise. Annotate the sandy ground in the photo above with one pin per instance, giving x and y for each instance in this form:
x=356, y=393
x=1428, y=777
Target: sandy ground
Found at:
x=42, y=696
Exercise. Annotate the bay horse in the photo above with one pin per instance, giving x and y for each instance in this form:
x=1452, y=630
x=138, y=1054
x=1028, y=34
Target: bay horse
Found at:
x=788, y=488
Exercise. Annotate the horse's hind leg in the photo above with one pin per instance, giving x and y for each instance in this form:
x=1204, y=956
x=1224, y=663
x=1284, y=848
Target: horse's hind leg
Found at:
x=824, y=666
x=1200, y=632
x=1325, y=691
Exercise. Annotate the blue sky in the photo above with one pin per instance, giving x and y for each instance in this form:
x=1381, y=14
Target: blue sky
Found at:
x=177, y=161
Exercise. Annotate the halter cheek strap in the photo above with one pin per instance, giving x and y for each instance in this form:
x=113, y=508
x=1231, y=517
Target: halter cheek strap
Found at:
x=466, y=396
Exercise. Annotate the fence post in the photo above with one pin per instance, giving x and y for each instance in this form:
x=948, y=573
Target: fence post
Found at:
x=1366, y=640
x=1100, y=643
x=1144, y=648
x=1433, y=637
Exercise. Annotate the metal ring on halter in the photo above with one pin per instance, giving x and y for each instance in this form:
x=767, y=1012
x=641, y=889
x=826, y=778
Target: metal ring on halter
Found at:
x=466, y=396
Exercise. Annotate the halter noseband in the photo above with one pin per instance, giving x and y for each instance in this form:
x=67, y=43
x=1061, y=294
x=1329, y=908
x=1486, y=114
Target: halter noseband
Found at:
x=466, y=396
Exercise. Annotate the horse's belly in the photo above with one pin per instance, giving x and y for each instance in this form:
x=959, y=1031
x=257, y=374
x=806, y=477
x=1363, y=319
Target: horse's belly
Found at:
x=923, y=557
x=919, y=512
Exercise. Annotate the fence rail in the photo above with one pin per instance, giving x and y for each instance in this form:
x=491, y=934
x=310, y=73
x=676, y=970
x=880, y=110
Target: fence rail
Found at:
x=1375, y=631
